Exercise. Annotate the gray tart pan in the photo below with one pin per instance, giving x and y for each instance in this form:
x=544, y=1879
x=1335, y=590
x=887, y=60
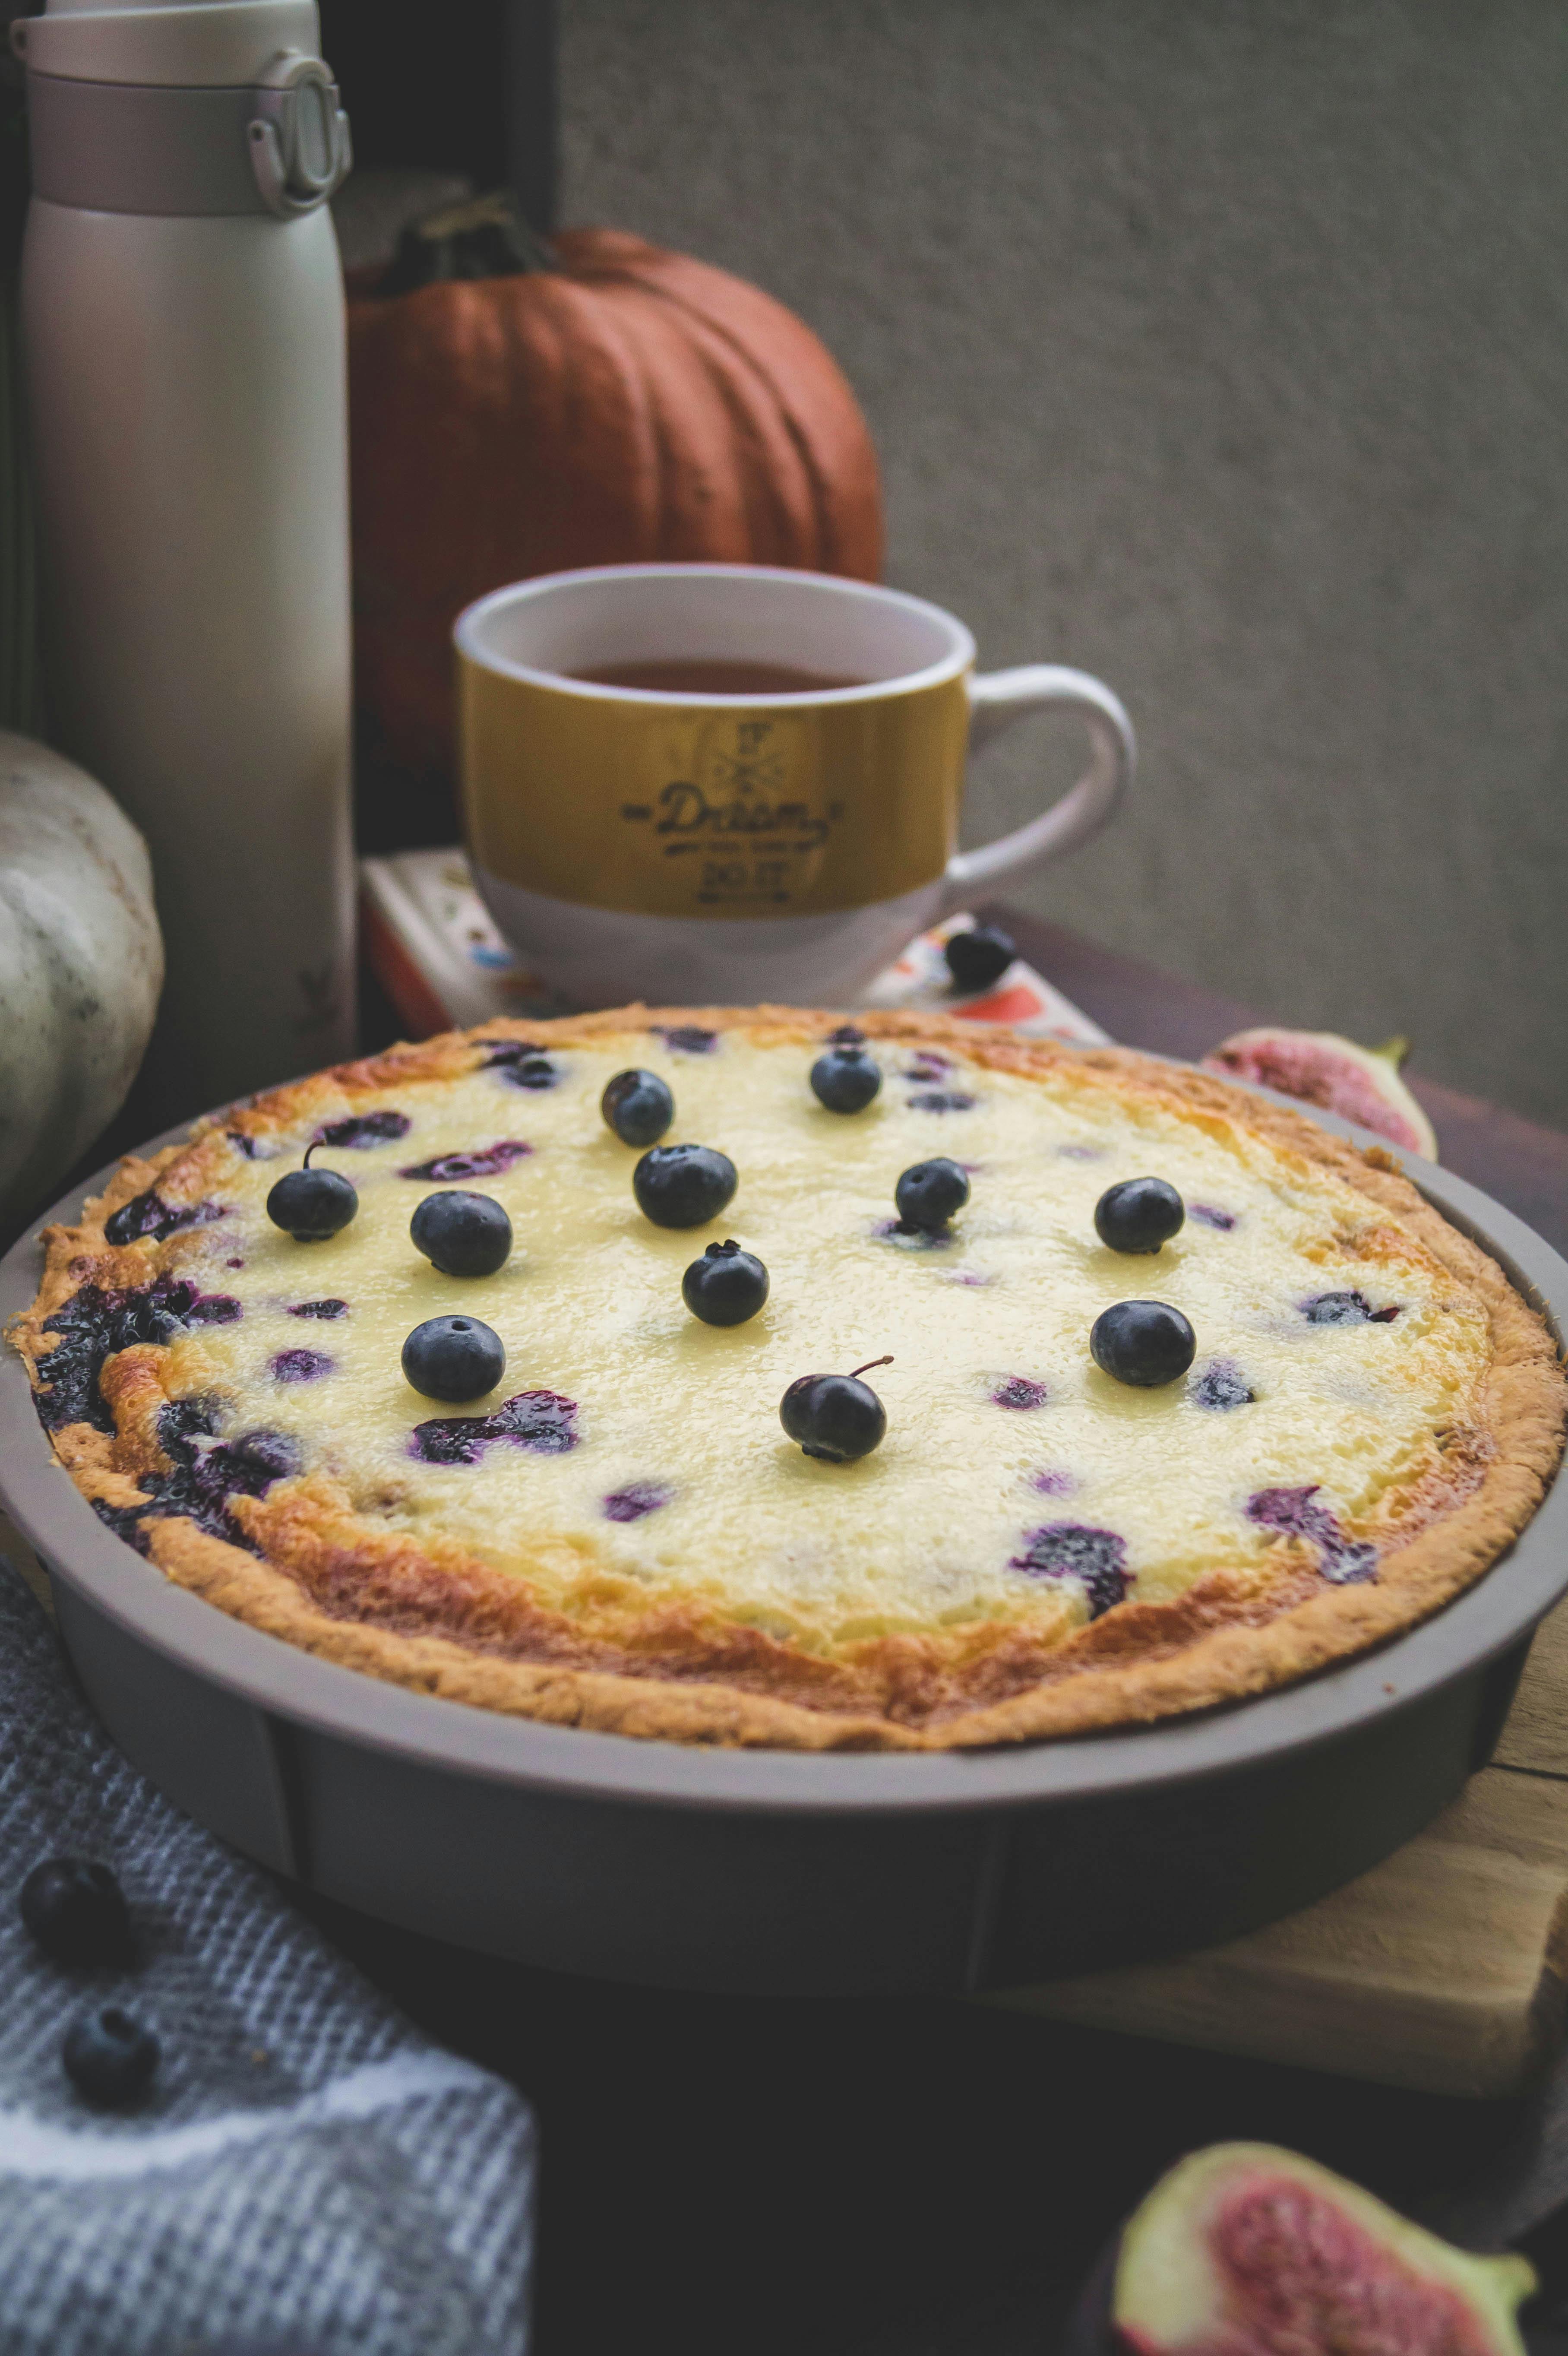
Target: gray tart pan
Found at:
x=765, y=1871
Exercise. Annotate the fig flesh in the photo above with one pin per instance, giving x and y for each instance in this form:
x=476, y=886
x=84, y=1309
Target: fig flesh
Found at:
x=1247, y=2250
x=1362, y=1084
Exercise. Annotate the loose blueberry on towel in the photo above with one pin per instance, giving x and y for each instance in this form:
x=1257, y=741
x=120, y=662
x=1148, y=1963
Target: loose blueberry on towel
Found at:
x=110, y=2057
x=463, y=1234
x=1145, y=1343
x=726, y=1285
x=1139, y=1215
x=453, y=1358
x=929, y=1192
x=311, y=1205
x=980, y=956
x=683, y=1185
x=845, y=1079
x=76, y=1911
x=638, y=1107
x=836, y=1417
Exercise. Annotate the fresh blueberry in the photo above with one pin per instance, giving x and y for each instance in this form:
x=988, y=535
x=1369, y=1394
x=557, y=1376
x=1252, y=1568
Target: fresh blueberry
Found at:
x=978, y=958
x=845, y=1079
x=463, y=1234
x=726, y=1285
x=1145, y=1343
x=453, y=1358
x=109, y=2057
x=1139, y=1215
x=929, y=1192
x=683, y=1185
x=836, y=1417
x=638, y=1107
x=76, y=1911
x=311, y=1205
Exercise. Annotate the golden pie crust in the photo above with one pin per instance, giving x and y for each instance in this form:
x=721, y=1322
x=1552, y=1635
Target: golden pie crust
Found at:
x=424, y=1612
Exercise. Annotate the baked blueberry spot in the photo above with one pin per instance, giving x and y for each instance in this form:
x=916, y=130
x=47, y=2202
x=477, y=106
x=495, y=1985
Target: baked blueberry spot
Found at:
x=542, y=1420
x=1221, y=1385
x=687, y=1038
x=233, y=1263
x=1080, y=1152
x=1052, y=1485
x=206, y=1474
x=215, y=1308
x=533, y=1071
x=1209, y=1215
x=319, y=1309
x=1345, y=1309
x=302, y=1365
x=928, y=1065
x=638, y=1497
x=149, y=1215
x=244, y=1143
x=505, y=1052
x=1093, y=1559
x=1346, y=1561
x=487, y=1162
x=93, y=1324
x=943, y=1101
x=361, y=1130
x=1017, y=1391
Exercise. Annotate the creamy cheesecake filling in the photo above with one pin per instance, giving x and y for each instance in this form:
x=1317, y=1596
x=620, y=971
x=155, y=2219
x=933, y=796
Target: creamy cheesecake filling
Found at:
x=1018, y=1483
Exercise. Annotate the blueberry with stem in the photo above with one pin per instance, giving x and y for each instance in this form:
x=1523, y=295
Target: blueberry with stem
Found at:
x=836, y=1417
x=726, y=1285
x=1139, y=1215
x=453, y=1358
x=929, y=1192
x=462, y=1234
x=311, y=1205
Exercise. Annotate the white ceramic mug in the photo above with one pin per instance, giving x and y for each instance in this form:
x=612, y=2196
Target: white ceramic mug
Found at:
x=703, y=847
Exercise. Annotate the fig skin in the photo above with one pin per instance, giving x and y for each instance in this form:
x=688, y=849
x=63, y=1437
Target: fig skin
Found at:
x=1159, y=2289
x=1319, y=1067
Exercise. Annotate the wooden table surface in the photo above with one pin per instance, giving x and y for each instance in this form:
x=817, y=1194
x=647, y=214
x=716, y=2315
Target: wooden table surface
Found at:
x=907, y=2178
x=924, y=2178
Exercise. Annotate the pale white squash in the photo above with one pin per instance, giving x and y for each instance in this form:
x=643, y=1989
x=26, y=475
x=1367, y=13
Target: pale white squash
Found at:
x=81, y=964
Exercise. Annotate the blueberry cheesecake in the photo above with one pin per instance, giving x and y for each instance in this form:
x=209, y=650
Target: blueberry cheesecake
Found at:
x=761, y=1377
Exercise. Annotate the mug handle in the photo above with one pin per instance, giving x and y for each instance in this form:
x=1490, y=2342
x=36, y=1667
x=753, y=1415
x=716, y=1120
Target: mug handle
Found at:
x=997, y=699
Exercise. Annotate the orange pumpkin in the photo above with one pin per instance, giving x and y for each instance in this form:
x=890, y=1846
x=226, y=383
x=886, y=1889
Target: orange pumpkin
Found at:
x=604, y=402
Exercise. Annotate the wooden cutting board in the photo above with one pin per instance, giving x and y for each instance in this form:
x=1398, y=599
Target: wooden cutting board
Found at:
x=1443, y=1969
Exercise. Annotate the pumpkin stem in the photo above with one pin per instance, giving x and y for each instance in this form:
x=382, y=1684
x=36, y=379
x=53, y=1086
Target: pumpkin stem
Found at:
x=485, y=238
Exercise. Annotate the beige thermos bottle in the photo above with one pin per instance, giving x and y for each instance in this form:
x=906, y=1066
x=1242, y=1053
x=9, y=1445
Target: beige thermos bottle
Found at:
x=184, y=325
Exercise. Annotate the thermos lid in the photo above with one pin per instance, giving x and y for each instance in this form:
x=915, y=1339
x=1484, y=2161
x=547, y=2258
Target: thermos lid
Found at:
x=189, y=43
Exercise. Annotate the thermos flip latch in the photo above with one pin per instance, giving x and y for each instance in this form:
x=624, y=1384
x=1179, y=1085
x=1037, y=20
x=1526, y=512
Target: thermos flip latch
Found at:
x=300, y=149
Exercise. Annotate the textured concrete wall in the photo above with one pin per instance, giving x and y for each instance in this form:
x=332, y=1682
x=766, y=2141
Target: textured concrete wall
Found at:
x=1219, y=346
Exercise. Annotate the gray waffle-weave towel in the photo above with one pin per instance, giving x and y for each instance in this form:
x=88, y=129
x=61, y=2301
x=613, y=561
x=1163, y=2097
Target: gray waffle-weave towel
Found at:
x=308, y=2171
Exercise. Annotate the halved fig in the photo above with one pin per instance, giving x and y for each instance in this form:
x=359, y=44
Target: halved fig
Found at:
x=1247, y=2250
x=1362, y=1083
